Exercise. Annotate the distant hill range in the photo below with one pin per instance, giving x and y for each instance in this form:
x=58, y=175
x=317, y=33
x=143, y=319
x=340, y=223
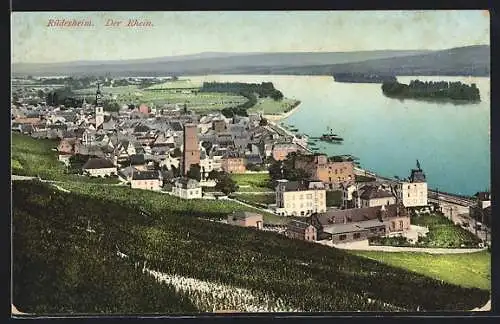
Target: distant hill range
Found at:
x=470, y=60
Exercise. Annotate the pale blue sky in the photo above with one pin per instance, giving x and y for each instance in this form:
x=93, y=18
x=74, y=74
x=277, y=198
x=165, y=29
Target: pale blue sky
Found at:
x=179, y=33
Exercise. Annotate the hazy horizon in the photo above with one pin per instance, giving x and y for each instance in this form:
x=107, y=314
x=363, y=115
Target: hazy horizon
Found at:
x=191, y=33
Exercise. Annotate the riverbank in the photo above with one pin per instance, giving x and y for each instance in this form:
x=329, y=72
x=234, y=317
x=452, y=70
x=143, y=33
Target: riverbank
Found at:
x=279, y=117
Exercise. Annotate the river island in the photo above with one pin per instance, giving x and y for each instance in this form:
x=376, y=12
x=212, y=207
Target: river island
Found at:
x=429, y=90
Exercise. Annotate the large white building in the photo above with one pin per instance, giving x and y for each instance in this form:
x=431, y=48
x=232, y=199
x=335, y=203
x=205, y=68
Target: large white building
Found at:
x=294, y=198
x=413, y=192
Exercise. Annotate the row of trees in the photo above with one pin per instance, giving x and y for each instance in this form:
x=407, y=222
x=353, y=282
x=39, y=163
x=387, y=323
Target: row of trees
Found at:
x=307, y=277
x=433, y=90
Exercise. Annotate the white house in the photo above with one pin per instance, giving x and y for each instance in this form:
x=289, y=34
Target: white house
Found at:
x=99, y=167
x=294, y=198
x=413, y=192
x=372, y=195
x=187, y=189
x=147, y=180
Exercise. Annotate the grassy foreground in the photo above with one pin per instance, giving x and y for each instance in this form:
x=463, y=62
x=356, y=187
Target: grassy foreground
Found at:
x=308, y=277
x=466, y=270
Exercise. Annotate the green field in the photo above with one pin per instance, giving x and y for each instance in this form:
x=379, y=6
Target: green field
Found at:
x=201, y=101
x=252, y=182
x=196, y=101
x=443, y=233
x=63, y=259
x=178, y=84
x=34, y=157
x=273, y=107
x=467, y=270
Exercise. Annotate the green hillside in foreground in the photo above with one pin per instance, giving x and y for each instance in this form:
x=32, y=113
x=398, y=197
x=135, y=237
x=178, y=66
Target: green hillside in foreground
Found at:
x=58, y=267
x=469, y=269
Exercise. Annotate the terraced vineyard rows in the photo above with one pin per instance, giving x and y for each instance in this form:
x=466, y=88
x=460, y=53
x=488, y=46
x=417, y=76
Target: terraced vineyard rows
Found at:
x=304, y=276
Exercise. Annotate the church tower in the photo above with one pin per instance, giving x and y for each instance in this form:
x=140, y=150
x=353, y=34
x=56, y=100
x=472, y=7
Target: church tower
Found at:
x=99, y=110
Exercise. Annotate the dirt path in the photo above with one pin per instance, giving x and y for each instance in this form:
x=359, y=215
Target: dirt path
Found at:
x=364, y=246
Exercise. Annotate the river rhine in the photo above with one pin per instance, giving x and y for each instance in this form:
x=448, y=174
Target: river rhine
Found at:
x=452, y=142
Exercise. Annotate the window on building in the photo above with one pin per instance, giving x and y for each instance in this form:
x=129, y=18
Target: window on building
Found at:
x=401, y=224
x=393, y=225
x=408, y=186
x=356, y=235
x=408, y=195
x=342, y=237
x=335, y=171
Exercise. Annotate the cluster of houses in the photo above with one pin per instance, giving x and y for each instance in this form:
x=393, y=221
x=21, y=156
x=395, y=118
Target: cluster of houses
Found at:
x=368, y=209
x=149, y=147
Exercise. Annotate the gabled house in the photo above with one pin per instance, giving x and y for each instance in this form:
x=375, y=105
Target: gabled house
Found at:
x=331, y=172
x=99, y=167
x=148, y=180
x=280, y=151
x=232, y=162
x=360, y=223
x=300, y=198
x=187, y=189
x=246, y=219
x=373, y=195
x=301, y=230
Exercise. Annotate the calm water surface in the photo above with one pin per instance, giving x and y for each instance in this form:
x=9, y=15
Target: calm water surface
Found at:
x=452, y=142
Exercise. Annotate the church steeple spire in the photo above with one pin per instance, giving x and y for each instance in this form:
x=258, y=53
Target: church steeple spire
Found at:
x=98, y=96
